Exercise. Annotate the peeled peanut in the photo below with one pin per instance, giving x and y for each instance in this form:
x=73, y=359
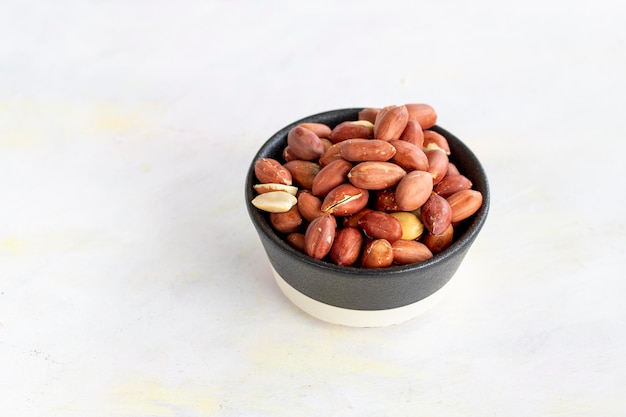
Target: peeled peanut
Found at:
x=412, y=227
x=274, y=201
x=266, y=188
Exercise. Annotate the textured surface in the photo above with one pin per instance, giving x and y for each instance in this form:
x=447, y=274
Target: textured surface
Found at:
x=132, y=282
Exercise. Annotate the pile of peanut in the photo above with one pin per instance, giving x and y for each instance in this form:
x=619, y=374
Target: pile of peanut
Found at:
x=369, y=193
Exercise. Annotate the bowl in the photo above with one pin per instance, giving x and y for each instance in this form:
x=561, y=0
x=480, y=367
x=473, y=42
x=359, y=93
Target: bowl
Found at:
x=365, y=297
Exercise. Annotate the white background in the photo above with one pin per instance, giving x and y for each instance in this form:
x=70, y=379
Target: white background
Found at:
x=132, y=282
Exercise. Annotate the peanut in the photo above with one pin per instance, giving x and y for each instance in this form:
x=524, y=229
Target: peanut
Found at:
x=309, y=205
x=319, y=236
x=275, y=201
x=436, y=214
x=320, y=129
x=288, y=155
x=345, y=200
x=413, y=190
x=346, y=248
x=378, y=253
x=408, y=156
x=266, y=188
x=391, y=122
x=409, y=251
x=359, y=150
x=413, y=133
x=464, y=203
x=381, y=225
x=424, y=114
x=303, y=172
x=375, y=175
x=288, y=221
x=270, y=171
x=450, y=184
x=353, y=220
x=351, y=130
x=369, y=114
x=437, y=164
x=330, y=176
x=304, y=143
x=452, y=169
x=412, y=227
x=331, y=154
x=437, y=243
x=296, y=240
x=434, y=140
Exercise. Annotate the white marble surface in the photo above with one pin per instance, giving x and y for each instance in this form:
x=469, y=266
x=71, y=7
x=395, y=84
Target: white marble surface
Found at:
x=132, y=282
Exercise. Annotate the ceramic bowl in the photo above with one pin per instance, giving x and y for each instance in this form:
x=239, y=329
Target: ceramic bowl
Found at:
x=361, y=297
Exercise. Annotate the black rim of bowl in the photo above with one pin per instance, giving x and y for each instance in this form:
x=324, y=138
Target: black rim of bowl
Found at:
x=468, y=231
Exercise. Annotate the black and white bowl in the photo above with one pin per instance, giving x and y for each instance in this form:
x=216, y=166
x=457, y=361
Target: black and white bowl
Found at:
x=361, y=297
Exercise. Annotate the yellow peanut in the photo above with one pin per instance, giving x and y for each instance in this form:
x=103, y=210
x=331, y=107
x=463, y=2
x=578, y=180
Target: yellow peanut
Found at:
x=412, y=227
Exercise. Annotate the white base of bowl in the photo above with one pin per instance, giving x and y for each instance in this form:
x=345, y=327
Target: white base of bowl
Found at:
x=358, y=318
